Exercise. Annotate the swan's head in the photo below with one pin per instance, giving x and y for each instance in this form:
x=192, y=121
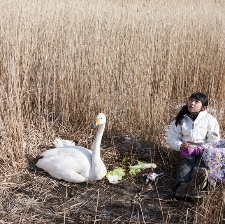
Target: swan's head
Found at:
x=100, y=119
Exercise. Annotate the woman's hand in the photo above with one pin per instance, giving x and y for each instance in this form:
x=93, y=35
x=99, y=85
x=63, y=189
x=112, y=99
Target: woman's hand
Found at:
x=184, y=145
x=192, y=150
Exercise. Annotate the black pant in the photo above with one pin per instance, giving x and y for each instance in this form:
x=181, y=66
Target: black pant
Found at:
x=188, y=167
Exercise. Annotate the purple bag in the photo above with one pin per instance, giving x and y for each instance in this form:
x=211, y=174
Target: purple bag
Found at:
x=192, y=151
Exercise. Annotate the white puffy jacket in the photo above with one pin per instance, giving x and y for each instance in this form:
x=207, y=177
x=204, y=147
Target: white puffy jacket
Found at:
x=203, y=130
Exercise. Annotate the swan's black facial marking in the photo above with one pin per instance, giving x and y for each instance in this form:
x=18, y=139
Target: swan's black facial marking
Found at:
x=93, y=126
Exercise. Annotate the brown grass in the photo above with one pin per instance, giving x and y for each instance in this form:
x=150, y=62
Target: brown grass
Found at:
x=62, y=62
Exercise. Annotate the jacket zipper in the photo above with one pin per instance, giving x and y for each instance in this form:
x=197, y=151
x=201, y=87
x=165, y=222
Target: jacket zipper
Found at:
x=192, y=130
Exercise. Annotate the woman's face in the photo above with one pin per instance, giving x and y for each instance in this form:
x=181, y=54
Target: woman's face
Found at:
x=194, y=106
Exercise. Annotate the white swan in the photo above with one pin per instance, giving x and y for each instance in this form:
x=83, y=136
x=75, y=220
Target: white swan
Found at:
x=75, y=163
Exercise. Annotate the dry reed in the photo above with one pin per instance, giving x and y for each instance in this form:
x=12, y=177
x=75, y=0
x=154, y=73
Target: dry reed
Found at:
x=62, y=62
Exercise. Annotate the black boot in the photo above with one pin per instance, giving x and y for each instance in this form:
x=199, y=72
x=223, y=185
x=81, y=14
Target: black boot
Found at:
x=181, y=190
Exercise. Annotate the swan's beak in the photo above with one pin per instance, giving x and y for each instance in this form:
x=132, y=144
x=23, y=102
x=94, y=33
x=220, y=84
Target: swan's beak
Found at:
x=98, y=122
x=93, y=126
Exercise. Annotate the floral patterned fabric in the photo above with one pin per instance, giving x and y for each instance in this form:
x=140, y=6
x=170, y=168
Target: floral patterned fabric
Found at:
x=214, y=158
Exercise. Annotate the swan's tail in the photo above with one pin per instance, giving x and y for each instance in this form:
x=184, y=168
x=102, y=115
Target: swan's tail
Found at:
x=58, y=142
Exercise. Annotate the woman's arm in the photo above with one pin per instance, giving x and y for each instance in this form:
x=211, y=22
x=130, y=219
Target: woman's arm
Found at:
x=213, y=134
x=174, y=136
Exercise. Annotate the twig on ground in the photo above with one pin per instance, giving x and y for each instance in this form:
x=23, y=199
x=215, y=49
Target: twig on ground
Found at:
x=96, y=207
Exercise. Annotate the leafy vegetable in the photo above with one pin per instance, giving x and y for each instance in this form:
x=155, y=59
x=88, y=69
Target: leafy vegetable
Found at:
x=134, y=170
x=115, y=175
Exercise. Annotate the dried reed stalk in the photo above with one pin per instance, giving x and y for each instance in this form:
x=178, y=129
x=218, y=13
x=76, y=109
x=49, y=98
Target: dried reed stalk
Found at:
x=62, y=62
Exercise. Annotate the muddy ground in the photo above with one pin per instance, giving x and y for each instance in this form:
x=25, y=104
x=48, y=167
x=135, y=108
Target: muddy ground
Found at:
x=35, y=197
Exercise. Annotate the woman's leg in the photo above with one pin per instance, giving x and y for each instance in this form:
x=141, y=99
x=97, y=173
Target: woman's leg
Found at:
x=198, y=164
x=184, y=175
x=199, y=179
x=185, y=169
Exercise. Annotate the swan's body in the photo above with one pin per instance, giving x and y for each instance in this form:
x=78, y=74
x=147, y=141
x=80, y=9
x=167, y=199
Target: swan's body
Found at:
x=75, y=163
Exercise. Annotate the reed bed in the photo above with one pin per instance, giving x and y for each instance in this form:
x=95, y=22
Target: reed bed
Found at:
x=62, y=62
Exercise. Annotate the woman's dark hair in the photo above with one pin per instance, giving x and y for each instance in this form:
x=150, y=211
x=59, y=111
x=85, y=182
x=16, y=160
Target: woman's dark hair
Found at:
x=184, y=110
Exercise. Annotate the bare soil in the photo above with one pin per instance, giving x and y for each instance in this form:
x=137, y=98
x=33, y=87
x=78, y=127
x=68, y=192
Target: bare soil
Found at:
x=35, y=197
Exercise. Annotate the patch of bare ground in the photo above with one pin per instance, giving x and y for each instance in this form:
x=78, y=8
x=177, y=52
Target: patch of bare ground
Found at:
x=34, y=197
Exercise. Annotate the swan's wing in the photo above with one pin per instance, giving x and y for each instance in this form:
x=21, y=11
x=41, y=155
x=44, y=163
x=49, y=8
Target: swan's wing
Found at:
x=68, y=168
x=69, y=150
x=58, y=142
x=50, y=152
x=68, y=163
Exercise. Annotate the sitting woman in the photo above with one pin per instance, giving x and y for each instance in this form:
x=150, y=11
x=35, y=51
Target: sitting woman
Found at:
x=192, y=131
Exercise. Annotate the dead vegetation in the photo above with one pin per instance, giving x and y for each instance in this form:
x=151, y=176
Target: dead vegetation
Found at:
x=29, y=197
x=62, y=62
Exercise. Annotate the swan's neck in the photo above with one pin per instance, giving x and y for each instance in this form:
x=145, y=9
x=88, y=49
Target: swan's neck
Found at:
x=97, y=143
x=98, y=169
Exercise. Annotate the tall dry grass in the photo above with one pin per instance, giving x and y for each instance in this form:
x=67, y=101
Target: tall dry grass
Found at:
x=62, y=62
x=132, y=60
